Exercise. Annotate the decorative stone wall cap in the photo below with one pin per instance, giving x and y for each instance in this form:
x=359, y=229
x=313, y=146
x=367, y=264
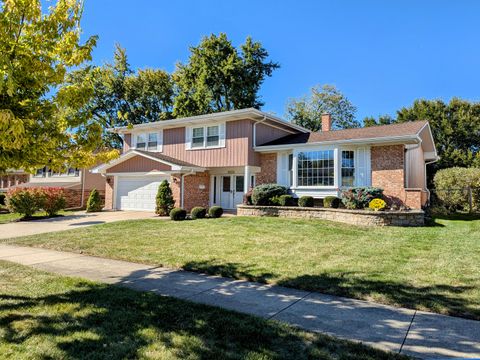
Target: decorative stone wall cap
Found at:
x=346, y=211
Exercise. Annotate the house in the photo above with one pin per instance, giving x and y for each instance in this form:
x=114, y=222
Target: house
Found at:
x=77, y=183
x=12, y=178
x=214, y=159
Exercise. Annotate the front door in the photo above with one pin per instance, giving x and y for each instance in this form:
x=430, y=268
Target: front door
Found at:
x=232, y=189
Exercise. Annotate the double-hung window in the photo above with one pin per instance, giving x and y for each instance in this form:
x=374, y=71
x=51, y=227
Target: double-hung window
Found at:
x=213, y=136
x=316, y=168
x=348, y=168
x=141, y=142
x=152, y=141
x=203, y=137
x=198, y=140
x=149, y=141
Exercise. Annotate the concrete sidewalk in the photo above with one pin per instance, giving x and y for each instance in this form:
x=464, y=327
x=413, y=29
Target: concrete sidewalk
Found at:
x=411, y=332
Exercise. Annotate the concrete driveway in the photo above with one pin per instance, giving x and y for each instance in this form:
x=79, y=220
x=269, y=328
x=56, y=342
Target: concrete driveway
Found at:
x=76, y=220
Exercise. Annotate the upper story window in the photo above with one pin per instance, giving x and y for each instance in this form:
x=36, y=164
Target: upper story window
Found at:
x=203, y=137
x=316, y=168
x=148, y=141
x=41, y=172
x=348, y=168
x=44, y=172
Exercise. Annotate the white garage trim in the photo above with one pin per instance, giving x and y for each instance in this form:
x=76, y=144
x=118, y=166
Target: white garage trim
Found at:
x=137, y=192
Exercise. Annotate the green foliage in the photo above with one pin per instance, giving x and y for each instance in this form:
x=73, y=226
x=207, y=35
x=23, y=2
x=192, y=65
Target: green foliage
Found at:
x=120, y=96
x=264, y=194
x=247, y=197
x=220, y=77
x=306, y=201
x=53, y=200
x=286, y=200
x=198, y=212
x=331, y=202
x=178, y=214
x=38, y=48
x=2, y=198
x=307, y=111
x=377, y=204
x=164, y=199
x=382, y=120
x=94, y=202
x=25, y=201
x=451, y=188
x=215, y=212
x=360, y=197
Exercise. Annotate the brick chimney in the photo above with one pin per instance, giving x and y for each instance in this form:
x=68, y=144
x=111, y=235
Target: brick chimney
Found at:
x=326, y=122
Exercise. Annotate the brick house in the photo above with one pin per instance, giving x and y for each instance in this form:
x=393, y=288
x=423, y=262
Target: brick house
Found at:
x=213, y=159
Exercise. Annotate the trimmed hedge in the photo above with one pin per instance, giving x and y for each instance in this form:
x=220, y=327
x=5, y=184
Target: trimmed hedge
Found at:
x=178, y=214
x=94, y=202
x=25, y=201
x=360, y=197
x=198, y=212
x=286, y=200
x=332, y=202
x=215, y=212
x=164, y=201
x=263, y=194
x=53, y=200
x=306, y=201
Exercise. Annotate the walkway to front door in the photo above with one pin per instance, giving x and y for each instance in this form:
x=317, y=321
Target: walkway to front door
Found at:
x=229, y=189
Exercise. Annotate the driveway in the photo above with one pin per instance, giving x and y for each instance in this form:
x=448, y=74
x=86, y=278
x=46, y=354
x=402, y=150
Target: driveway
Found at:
x=76, y=220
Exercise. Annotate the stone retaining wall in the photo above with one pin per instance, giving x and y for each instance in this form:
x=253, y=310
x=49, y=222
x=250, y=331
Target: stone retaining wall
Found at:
x=354, y=217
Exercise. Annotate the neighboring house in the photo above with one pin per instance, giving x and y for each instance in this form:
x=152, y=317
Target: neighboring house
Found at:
x=214, y=159
x=77, y=184
x=12, y=178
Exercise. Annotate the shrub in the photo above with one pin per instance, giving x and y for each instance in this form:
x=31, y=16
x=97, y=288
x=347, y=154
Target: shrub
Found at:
x=306, y=201
x=54, y=200
x=360, y=197
x=247, y=198
x=451, y=188
x=25, y=201
x=263, y=194
x=164, y=199
x=377, y=204
x=198, y=213
x=94, y=202
x=215, y=212
x=331, y=202
x=286, y=200
x=178, y=214
x=2, y=198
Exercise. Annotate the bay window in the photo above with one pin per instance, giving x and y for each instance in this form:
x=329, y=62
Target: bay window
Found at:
x=348, y=168
x=316, y=168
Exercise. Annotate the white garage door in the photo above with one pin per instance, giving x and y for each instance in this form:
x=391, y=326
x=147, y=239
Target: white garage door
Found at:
x=138, y=193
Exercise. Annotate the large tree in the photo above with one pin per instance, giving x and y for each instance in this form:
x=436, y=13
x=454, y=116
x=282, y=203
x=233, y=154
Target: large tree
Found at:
x=37, y=49
x=382, y=120
x=121, y=96
x=455, y=127
x=220, y=77
x=307, y=111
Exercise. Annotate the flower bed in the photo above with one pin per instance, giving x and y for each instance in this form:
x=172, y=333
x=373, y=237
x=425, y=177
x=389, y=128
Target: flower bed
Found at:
x=354, y=217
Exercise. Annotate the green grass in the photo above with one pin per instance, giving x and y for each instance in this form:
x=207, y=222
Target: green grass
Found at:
x=434, y=268
x=10, y=217
x=44, y=316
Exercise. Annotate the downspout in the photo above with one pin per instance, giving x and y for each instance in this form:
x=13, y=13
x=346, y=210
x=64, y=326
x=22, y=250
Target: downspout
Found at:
x=426, y=188
x=255, y=130
x=83, y=188
x=182, y=183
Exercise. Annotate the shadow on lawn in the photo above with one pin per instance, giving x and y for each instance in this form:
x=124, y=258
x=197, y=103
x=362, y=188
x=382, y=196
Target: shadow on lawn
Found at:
x=109, y=322
x=437, y=298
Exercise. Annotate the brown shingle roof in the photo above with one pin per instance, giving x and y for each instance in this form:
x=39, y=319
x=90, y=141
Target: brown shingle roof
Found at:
x=165, y=158
x=402, y=129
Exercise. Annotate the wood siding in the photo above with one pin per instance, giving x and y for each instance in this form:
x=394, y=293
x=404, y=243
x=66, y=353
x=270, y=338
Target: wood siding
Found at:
x=237, y=151
x=127, y=142
x=139, y=164
x=265, y=133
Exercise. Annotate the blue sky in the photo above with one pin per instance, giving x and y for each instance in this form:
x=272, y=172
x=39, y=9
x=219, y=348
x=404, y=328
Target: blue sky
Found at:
x=381, y=54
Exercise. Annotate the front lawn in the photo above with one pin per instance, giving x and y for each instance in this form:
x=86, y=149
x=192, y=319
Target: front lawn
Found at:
x=44, y=316
x=10, y=217
x=432, y=268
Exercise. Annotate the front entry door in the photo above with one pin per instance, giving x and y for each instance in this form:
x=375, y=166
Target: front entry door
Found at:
x=232, y=188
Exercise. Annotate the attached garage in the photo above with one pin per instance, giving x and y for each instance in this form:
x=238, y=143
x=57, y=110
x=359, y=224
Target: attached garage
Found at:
x=138, y=193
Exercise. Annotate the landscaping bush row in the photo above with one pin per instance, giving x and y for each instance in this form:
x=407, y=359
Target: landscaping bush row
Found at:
x=27, y=201
x=179, y=214
x=352, y=198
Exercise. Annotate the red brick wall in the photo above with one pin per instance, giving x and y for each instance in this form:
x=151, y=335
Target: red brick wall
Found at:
x=388, y=171
x=193, y=194
x=11, y=180
x=109, y=188
x=175, y=186
x=73, y=197
x=268, y=172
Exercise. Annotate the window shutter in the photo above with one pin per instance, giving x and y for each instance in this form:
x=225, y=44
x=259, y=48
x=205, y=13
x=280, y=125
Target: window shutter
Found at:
x=360, y=167
x=221, y=135
x=188, y=138
x=160, y=141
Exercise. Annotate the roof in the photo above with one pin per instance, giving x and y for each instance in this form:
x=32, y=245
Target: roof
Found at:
x=165, y=158
x=248, y=113
x=374, y=132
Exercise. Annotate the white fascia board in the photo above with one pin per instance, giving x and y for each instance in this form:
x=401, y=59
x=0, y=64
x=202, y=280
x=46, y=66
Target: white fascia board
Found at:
x=406, y=139
x=431, y=137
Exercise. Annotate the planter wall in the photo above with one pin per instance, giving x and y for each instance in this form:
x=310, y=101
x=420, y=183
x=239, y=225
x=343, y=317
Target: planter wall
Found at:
x=354, y=217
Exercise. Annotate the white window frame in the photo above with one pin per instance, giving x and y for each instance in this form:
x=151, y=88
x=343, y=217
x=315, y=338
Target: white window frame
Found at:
x=354, y=168
x=189, y=136
x=146, y=134
x=336, y=164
